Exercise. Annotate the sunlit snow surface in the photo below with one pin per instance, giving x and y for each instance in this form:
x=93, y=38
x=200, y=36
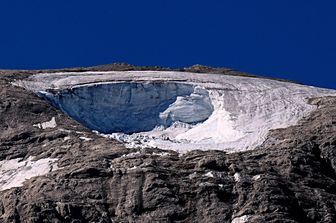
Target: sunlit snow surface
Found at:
x=45, y=125
x=14, y=172
x=178, y=110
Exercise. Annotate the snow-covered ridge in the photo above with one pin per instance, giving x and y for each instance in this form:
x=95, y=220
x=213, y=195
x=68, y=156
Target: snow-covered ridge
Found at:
x=177, y=110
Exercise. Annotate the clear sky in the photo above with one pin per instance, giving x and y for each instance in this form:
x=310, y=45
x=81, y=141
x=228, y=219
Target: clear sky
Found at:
x=292, y=39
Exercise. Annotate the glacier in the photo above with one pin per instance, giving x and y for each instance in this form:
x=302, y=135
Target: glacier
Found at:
x=177, y=110
x=133, y=107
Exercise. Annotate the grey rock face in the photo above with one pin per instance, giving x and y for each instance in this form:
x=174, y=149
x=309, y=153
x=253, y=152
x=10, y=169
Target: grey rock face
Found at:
x=289, y=178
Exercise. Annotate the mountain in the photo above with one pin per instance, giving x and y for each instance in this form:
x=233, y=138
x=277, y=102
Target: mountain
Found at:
x=118, y=143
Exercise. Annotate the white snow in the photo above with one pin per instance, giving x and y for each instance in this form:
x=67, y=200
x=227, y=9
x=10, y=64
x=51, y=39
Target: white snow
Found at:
x=160, y=154
x=210, y=111
x=133, y=168
x=241, y=219
x=50, y=124
x=14, y=172
x=193, y=175
x=132, y=154
x=218, y=128
x=237, y=177
x=85, y=138
x=66, y=138
x=209, y=174
x=256, y=177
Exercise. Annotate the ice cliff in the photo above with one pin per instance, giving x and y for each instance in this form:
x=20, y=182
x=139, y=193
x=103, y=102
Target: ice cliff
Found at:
x=133, y=107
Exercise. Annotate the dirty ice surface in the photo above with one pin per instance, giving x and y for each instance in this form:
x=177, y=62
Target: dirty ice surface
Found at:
x=177, y=110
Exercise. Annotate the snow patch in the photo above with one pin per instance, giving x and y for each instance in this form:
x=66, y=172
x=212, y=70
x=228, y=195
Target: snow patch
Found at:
x=206, y=184
x=160, y=154
x=135, y=154
x=193, y=175
x=14, y=172
x=85, y=138
x=209, y=174
x=256, y=177
x=133, y=168
x=45, y=125
x=66, y=138
x=237, y=177
x=241, y=219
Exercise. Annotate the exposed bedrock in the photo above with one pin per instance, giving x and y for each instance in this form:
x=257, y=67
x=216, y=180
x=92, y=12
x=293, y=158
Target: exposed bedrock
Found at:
x=133, y=107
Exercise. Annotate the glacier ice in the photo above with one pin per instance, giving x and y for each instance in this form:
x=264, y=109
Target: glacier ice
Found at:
x=177, y=110
x=133, y=107
x=189, y=109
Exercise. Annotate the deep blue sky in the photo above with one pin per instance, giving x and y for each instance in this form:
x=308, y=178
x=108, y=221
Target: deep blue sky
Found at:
x=293, y=39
